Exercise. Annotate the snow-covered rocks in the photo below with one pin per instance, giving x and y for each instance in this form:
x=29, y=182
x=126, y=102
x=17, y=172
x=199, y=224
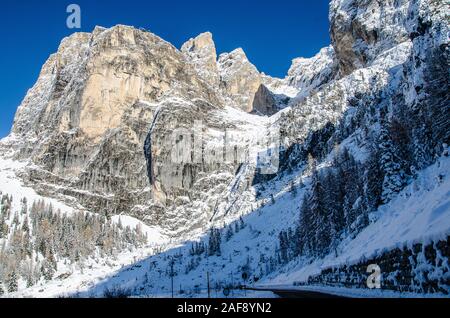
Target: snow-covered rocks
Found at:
x=360, y=30
x=309, y=74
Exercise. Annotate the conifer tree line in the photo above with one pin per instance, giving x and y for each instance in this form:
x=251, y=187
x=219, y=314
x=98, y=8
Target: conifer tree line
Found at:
x=34, y=241
x=212, y=245
x=336, y=205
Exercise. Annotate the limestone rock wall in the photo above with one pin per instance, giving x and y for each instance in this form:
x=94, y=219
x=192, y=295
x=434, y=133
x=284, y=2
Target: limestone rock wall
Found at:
x=86, y=119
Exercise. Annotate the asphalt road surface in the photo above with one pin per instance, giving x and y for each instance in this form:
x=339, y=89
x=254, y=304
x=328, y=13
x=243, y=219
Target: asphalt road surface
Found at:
x=296, y=293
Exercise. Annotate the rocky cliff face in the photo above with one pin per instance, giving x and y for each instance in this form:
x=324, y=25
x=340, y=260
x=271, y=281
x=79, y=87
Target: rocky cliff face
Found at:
x=362, y=30
x=84, y=123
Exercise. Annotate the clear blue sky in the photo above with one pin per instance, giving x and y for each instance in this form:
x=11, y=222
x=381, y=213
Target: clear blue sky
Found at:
x=271, y=32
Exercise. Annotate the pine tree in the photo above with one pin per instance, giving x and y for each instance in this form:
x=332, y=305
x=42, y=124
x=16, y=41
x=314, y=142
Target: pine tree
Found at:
x=305, y=230
x=24, y=207
x=334, y=196
x=318, y=210
x=292, y=188
x=241, y=223
x=214, y=246
x=272, y=199
x=12, y=282
x=25, y=225
x=437, y=83
x=373, y=180
x=312, y=165
x=284, y=245
x=394, y=176
x=317, y=193
x=218, y=243
x=237, y=227
x=212, y=243
x=422, y=152
x=4, y=229
x=16, y=219
x=47, y=271
x=229, y=234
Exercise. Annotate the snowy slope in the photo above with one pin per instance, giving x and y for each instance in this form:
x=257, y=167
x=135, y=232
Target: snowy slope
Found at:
x=72, y=276
x=10, y=184
x=420, y=213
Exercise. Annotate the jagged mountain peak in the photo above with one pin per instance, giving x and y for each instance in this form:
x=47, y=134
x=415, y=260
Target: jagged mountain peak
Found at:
x=201, y=51
x=236, y=79
x=236, y=54
x=199, y=42
x=236, y=59
x=243, y=83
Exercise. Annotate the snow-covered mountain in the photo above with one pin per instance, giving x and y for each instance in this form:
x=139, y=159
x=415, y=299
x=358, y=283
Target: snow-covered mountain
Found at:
x=164, y=154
